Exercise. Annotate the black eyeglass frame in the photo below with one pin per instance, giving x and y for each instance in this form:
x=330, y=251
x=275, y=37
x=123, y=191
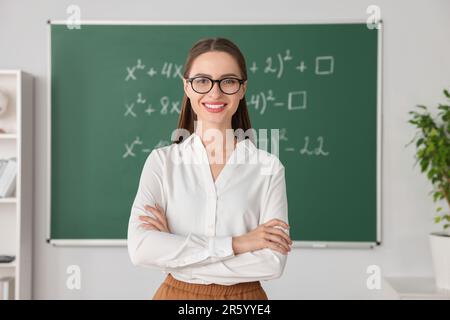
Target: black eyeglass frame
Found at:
x=241, y=81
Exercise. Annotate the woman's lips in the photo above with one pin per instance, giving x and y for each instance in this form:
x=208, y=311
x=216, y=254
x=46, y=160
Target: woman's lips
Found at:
x=215, y=107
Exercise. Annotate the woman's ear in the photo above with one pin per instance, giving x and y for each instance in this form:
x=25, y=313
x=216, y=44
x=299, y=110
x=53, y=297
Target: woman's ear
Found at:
x=185, y=86
x=244, y=89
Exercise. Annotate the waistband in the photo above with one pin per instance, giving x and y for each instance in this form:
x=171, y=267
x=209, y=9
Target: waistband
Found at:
x=212, y=289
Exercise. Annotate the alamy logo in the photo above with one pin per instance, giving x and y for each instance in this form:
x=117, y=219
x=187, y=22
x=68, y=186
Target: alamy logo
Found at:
x=73, y=281
x=73, y=21
x=373, y=281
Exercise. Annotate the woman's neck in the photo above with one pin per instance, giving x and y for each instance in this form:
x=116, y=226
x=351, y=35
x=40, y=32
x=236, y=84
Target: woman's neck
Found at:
x=216, y=137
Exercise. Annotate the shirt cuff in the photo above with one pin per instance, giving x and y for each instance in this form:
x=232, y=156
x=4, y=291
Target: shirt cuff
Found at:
x=221, y=247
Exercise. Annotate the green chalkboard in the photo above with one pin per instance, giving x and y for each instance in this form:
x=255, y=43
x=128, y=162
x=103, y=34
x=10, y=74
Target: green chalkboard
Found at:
x=116, y=94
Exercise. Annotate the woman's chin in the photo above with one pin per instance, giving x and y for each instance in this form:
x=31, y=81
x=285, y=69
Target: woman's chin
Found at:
x=214, y=117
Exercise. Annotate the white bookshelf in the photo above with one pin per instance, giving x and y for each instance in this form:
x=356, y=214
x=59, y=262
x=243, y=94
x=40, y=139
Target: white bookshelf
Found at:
x=16, y=211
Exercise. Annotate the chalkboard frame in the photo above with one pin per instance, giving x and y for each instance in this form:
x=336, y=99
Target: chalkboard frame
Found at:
x=296, y=244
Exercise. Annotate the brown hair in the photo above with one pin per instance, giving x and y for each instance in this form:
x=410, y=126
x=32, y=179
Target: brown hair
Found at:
x=240, y=119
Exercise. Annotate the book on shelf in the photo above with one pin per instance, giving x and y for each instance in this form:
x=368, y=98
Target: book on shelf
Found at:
x=6, y=258
x=8, y=174
x=7, y=288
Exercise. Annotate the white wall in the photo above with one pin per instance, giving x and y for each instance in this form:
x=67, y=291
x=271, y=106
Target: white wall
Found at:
x=416, y=69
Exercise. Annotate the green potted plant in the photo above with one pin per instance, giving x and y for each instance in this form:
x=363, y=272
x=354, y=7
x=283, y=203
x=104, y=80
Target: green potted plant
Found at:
x=433, y=153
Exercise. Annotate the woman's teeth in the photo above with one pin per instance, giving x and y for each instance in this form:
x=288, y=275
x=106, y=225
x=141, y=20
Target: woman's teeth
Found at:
x=215, y=108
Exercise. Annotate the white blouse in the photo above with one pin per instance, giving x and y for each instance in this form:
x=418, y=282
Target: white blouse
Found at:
x=203, y=215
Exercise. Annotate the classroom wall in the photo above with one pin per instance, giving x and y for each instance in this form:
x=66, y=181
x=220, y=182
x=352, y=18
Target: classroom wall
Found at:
x=416, y=69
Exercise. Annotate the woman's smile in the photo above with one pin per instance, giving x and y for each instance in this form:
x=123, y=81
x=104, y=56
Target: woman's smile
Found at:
x=214, y=107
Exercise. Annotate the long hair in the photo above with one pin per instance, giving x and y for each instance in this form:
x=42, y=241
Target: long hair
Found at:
x=240, y=119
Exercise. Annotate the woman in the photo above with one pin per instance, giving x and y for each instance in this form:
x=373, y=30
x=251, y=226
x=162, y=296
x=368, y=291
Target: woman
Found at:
x=215, y=225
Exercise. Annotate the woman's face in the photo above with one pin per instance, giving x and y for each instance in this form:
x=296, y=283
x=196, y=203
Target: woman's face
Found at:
x=215, y=65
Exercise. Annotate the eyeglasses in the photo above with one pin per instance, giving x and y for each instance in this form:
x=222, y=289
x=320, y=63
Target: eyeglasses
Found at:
x=204, y=85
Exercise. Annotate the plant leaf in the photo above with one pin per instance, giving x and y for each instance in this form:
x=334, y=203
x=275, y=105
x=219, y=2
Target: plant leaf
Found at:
x=447, y=94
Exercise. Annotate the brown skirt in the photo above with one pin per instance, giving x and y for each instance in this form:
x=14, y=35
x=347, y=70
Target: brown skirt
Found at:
x=173, y=289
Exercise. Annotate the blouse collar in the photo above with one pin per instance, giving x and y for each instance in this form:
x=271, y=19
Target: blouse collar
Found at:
x=195, y=140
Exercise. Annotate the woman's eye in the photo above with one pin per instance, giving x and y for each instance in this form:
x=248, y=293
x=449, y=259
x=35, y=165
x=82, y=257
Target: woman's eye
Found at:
x=202, y=81
x=229, y=81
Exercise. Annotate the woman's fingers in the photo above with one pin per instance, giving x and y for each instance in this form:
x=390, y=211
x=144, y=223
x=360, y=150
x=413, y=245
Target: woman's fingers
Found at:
x=147, y=226
x=160, y=220
x=152, y=221
x=160, y=209
x=280, y=233
x=158, y=212
x=276, y=222
x=278, y=240
x=276, y=247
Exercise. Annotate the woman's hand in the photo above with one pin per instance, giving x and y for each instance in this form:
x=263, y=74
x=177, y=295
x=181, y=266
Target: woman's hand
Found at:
x=160, y=223
x=267, y=235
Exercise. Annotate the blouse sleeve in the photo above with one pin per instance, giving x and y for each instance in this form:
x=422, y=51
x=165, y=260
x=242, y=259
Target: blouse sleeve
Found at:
x=258, y=265
x=162, y=249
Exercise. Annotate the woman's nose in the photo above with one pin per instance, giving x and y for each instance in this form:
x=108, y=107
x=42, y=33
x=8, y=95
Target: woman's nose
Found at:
x=215, y=90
